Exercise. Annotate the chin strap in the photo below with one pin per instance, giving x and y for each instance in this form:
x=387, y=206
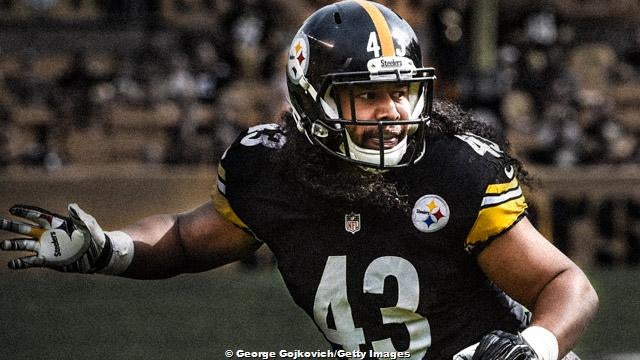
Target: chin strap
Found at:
x=372, y=156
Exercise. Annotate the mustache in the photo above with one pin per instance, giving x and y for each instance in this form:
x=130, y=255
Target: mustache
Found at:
x=388, y=132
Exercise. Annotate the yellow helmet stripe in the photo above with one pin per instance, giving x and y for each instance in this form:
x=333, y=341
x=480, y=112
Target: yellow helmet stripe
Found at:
x=382, y=28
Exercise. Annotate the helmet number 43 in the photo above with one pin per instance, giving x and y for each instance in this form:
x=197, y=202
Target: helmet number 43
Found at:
x=332, y=293
x=372, y=44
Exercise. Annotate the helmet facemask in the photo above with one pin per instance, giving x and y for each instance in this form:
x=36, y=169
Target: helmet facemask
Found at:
x=330, y=131
x=346, y=46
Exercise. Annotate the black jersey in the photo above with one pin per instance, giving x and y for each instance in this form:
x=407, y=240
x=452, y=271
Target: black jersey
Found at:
x=385, y=282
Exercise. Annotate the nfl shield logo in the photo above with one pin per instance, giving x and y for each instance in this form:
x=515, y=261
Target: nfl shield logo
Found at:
x=352, y=222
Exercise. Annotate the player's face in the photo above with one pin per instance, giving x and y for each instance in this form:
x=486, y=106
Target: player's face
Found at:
x=388, y=101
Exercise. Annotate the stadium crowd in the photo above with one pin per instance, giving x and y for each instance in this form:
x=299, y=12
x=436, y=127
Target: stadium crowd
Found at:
x=563, y=84
x=561, y=98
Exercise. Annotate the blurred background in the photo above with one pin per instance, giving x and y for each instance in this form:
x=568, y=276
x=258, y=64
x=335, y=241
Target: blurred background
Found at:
x=126, y=106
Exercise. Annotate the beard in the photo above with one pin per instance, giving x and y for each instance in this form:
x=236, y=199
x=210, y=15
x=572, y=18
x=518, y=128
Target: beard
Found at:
x=369, y=138
x=346, y=184
x=340, y=182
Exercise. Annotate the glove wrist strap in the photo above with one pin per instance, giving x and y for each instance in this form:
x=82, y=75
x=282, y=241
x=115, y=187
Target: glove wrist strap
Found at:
x=105, y=256
x=116, y=255
x=542, y=341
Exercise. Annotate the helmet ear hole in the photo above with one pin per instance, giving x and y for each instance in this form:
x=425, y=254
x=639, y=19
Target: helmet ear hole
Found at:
x=337, y=18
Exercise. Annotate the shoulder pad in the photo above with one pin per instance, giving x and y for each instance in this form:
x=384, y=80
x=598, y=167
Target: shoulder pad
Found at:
x=268, y=135
x=241, y=166
x=249, y=152
x=503, y=203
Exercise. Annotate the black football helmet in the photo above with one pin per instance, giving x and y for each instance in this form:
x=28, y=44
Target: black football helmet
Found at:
x=353, y=43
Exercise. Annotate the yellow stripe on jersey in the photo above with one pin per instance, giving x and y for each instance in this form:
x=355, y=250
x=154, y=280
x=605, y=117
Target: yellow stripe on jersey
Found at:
x=222, y=174
x=382, y=28
x=221, y=204
x=502, y=206
x=500, y=188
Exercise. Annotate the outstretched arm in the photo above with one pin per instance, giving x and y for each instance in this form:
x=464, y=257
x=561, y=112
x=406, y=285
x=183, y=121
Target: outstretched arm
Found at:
x=198, y=240
x=159, y=246
x=531, y=270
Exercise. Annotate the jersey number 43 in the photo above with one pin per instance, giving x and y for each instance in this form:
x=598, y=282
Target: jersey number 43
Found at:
x=332, y=293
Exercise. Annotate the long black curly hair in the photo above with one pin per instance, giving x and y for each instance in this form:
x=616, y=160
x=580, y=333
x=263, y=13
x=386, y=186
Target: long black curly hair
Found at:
x=344, y=183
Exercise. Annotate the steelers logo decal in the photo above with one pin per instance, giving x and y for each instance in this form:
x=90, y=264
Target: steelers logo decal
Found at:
x=430, y=213
x=298, y=58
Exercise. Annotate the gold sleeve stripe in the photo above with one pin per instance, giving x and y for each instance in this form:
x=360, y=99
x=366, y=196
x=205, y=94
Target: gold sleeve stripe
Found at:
x=222, y=206
x=382, y=28
x=497, y=199
x=222, y=188
x=494, y=220
x=501, y=188
x=220, y=181
x=222, y=173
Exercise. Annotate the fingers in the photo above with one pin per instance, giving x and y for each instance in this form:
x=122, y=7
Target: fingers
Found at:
x=21, y=228
x=76, y=214
x=82, y=220
x=466, y=353
x=19, y=245
x=87, y=224
x=22, y=245
x=26, y=262
x=40, y=216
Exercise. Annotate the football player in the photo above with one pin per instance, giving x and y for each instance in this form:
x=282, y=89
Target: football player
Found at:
x=398, y=226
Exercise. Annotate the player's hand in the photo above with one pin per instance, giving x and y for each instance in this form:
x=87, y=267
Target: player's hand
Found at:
x=75, y=243
x=500, y=345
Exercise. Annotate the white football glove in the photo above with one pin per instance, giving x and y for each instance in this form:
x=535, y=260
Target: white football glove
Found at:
x=70, y=244
x=534, y=343
x=466, y=353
